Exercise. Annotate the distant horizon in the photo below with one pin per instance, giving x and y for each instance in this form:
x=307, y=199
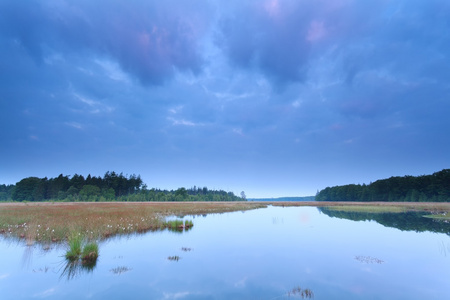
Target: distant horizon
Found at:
x=218, y=188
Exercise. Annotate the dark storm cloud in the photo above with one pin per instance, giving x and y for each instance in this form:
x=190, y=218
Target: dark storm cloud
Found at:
x=280, y=38
x=148, y=40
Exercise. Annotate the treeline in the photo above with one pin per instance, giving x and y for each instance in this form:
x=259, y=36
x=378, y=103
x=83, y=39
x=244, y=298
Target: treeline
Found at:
x=6, y=191
x=183, y=194
x=110, y=187
x=77, y=188
x=426, y=188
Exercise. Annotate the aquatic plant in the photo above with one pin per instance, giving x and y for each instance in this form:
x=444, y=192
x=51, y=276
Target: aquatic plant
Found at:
x=188, y=224
x=78, y=253
x=89, y=254
x=368, y=259
x=186, y=249
x=303, y=293
x=120, y=270
x=75, y=243
x=178, y=225
x=174, y=258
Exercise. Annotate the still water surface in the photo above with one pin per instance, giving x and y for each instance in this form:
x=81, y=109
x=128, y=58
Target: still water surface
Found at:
x=259, y=254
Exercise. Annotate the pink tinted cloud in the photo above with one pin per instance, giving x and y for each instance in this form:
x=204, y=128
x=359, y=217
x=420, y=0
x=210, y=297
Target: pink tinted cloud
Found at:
x=316, y=31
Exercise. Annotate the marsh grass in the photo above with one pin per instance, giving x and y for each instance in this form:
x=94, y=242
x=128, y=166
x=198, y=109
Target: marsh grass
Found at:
x=369, y=209
x=89, y=254
x=178, y=225
x=188, y=224
x=407, y=206
x=75, y=244
x=55, y=222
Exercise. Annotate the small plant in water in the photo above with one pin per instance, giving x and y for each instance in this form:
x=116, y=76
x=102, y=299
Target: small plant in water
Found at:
x=178, y=225
x=174, y=258
x=75, y=242
x=186, y=249
x=89, y=254
x=120, y=270
x=299, y=292
x=368, y=259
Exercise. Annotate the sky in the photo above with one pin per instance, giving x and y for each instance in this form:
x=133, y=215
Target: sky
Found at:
x=270, y=97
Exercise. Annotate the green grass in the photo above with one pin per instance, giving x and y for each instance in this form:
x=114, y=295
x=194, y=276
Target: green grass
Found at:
x=178, y=225
x=75, y=243
x=89, y=254
x=188, y=223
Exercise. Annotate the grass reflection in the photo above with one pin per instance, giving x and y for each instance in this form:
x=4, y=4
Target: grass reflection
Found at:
x=74, y=268
x=297, y=292
x=79, y=258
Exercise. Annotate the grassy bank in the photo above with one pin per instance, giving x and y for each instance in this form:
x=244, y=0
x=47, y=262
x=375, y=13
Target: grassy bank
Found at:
x=394, y=207
x=53, y=222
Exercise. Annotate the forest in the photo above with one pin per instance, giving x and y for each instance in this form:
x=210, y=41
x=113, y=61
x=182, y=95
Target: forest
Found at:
x=110, y=187
x=425, y=188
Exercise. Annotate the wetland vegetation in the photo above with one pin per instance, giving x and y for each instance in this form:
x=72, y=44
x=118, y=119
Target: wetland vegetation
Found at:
x=56, y=222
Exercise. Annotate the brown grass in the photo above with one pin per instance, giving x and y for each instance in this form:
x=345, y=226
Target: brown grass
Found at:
x=385, y=206
x=48, y=221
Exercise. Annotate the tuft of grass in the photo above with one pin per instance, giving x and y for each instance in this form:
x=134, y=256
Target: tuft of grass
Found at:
x=178, y=225
x=188, y=224
x=89, y=254
x=75, y=243
x=79, y=252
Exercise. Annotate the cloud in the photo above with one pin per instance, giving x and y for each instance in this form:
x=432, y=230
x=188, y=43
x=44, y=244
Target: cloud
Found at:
x=147, y=40
x=178, y=295
x=288, y=85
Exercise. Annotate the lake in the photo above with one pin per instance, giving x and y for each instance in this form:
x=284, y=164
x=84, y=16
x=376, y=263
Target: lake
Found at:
x=270, y=253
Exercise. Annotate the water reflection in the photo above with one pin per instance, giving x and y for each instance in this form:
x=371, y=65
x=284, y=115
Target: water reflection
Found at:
x=408, y=221
x=73, y=268
x=120, y=270
x=274, y=253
